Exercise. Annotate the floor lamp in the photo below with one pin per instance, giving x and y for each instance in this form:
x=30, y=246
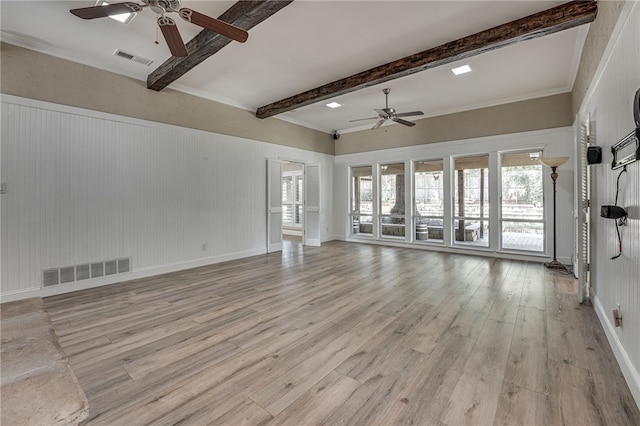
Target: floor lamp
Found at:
x=554, y=163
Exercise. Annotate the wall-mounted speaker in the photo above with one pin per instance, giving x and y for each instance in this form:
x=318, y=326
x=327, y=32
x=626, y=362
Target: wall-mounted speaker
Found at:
x=594, y=155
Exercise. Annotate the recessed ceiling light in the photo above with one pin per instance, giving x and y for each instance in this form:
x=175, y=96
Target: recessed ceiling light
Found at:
x=125, y=18
x=461, y=70
x=333, y=105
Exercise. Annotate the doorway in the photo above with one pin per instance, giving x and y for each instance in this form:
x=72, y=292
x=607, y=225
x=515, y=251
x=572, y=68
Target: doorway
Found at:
x=292, y=199
x=306, y=211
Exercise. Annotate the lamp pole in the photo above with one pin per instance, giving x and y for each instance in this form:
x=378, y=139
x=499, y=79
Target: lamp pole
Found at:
x=554, y=163
x=554, y=263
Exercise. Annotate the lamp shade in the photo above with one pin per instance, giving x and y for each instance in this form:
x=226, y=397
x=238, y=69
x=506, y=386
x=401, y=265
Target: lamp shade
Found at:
x=554, y=161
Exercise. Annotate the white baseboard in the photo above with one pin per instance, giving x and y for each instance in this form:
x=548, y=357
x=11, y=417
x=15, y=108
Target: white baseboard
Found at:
x=631, y=375
x=137, y=274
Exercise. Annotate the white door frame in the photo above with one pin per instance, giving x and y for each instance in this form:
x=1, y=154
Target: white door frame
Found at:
x=312, y=232
x=274, y=205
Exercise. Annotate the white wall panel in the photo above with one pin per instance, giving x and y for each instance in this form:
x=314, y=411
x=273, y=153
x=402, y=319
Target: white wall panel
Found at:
x=618, y=281
x=86, y=186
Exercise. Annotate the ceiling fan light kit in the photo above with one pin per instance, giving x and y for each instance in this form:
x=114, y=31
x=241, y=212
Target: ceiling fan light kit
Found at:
x=387, y=113
x=167, y=25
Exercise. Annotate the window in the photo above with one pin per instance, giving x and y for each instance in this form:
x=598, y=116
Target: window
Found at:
x=362, y=200
x=287, y=200
x=522, y=205
x=292, y=199
x=392, y=200
x=428, y=199
x=471, y=201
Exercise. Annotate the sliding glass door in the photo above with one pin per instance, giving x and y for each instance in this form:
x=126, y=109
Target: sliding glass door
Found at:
x=392, y=212
x=471, y=201
x=522, y=202
x=362, y=200
x=428, y=196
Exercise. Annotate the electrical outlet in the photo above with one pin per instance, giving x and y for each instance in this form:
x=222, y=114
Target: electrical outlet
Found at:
x=617, y=316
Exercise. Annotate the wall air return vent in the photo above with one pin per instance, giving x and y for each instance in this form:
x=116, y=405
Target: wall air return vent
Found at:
x=124, y=265
x=131, y=57
x=97, y=269
x=50, y=277
x=67, y=274
x=110, y=267
x=85, y=271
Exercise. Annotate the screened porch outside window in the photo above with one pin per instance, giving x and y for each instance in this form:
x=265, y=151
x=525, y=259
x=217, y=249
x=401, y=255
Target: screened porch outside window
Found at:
x=471, y=201
x=362, y=200
x=522, y=202
x=428, y=199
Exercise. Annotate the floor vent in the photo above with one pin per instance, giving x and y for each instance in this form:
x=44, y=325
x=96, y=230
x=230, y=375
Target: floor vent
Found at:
x=132, y=57
x=68, y=274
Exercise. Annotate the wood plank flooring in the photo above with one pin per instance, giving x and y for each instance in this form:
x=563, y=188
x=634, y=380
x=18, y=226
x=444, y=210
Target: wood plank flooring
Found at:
x=344, y=334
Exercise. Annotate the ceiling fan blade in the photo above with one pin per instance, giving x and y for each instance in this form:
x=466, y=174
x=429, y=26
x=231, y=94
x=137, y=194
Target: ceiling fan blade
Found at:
x=362, y=119
x=405, y=122
x=378, y=124
x=213, y=24
x=172, y=36
x=382, y=112
x=409, y=114
x=94, y=12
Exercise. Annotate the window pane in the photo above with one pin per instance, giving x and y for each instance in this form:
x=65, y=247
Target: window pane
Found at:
x=298, y=214
x=287, y=214
x=287, y=189
x=362, y=188
x=523, y=235
x=522, y=202
x=471, y=200
x=429, y=200
x=392, y=200
x=362, y=225
x=521, y=187
x=299, y=189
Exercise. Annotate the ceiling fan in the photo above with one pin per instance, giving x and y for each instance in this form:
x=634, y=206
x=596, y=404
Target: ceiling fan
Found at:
x=166, y=24
x=390, y=114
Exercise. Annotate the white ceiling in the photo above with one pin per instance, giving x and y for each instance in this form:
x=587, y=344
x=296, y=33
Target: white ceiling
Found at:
x=310, y=43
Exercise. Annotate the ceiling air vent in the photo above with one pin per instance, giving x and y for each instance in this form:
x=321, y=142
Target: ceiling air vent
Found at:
x=131, y=57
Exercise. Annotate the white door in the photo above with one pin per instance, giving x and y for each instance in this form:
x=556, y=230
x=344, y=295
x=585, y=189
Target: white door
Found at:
x=312, y=205
x=274, y=206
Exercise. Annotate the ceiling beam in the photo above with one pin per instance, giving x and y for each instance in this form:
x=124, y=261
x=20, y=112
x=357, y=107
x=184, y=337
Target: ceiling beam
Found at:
x=243, y=14
x=565, y=16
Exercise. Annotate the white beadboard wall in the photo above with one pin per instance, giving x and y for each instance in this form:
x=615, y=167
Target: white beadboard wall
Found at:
x=609, y=104
x=84, y=186
x=555, y=143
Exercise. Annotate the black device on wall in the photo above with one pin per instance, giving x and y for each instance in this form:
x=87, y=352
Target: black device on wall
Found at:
x=612, y=212
x=594, y=155
x=636, y=113
x=636, y=109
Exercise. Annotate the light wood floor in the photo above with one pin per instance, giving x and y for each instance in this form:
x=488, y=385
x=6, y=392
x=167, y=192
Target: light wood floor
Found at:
x=344, y=334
